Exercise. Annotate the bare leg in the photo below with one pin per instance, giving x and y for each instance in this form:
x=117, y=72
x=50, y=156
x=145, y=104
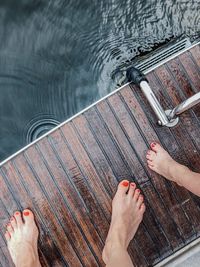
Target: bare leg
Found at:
x=127, y=213
x=22, y=238
x=161, y=162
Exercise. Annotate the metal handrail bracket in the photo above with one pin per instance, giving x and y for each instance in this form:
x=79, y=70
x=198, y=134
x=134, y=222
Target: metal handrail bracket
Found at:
x=169, y=117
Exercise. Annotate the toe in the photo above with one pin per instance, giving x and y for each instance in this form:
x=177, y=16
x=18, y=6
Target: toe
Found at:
x=131, y=190
x=155, y=146
x=18, y=218
x=7, y=236
x=136, y=194
x=123, y=187
x=140, y=201
x=150, y=163
x=151, y=155
x=9, y=228
x=28, y=216
x=142, y=208
x=13, y=223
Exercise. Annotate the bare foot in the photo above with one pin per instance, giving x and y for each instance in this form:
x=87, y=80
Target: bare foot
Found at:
x=127, y=213
x=160, y=161
x=22, y=238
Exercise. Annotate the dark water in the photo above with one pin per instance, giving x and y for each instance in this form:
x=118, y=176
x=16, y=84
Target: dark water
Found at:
x=56, y=56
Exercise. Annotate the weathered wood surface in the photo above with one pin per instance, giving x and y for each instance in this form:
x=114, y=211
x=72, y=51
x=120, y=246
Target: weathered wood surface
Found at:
x=69, y=177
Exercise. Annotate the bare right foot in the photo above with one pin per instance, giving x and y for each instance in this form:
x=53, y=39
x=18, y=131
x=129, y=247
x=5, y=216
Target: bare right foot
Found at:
x=159, y=160
x=22, y=238
x=127, y=213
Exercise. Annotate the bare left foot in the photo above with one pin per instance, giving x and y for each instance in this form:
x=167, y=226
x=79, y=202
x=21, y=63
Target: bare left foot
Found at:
x=127, y=213
x=22, y=238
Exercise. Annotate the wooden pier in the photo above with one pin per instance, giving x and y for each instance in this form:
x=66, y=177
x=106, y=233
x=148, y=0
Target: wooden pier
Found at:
x=69, y=177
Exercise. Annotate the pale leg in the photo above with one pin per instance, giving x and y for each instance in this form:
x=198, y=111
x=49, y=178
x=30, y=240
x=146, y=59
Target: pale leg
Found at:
x=127, y=213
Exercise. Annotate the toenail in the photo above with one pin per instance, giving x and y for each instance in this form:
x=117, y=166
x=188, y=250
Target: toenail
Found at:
x=26, y=213
x=153, y=144
x=133, y=184
x=138, y=190
x=17, y=213
x=125, y=183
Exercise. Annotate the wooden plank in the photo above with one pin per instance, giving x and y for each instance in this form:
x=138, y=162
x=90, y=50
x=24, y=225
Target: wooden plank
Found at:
x=87, y=169
x=101, y=163
x=81, y=219
x=191, y=69
x=5, y=257
x=195, y=52
x=93, y=209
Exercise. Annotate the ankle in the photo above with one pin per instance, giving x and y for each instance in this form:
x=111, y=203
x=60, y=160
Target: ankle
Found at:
x=118, y=241
x=178, y=172
x=29, y=260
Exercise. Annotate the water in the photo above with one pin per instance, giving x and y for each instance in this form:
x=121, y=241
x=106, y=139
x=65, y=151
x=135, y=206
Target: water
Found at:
x=57, y=57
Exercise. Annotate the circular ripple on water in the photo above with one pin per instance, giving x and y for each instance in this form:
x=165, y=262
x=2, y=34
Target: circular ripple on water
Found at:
x=38, y=126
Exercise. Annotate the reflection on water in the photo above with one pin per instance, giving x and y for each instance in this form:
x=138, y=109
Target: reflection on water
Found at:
x=57, y=56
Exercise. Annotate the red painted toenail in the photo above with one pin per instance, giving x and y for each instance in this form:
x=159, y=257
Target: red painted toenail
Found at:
x=153, y=144
x=17, y=213
x=26, y=213
x=138, y=190
x=133, y=184
x=125, y=183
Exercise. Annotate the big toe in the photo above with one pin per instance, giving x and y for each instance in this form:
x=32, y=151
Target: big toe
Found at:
x=156, y=147
x=123, y=187
x=28, y=216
